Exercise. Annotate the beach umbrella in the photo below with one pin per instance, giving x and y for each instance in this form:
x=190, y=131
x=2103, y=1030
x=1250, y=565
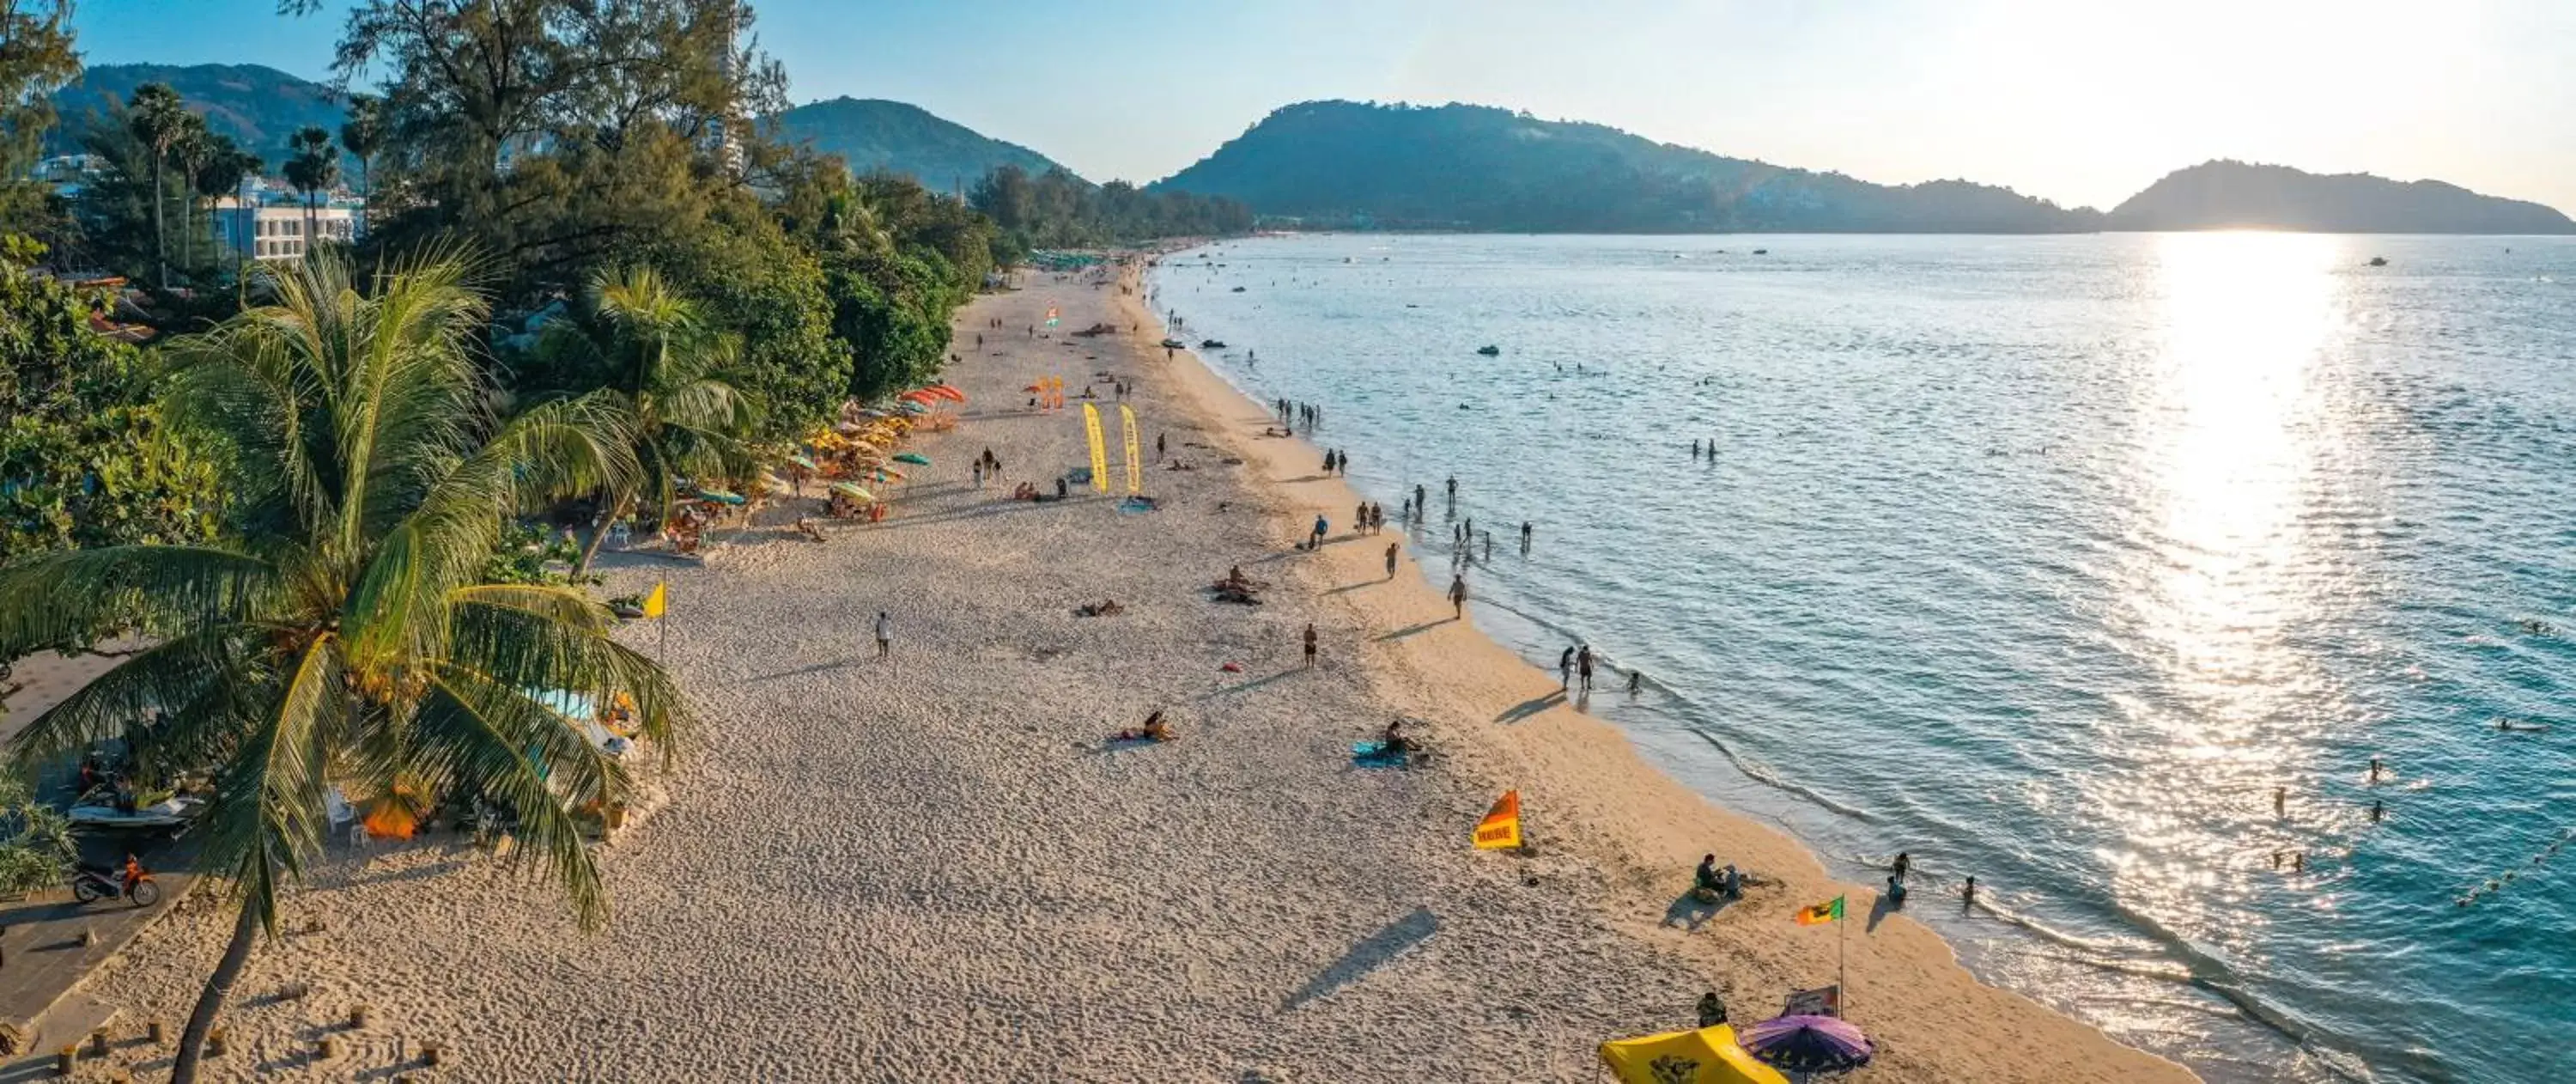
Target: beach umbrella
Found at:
x=914, y=407
x=719, y=496
x=1808, y=1044
x=850, y=429
x=804, y=461
x=852, y=491
x=915, y=458
x=949, y=393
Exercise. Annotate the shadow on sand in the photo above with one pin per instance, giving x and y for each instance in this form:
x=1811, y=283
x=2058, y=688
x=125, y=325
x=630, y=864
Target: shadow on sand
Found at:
x=1690, y=912
x=1371, y=953
x=1416, y=630
x=1530, y=707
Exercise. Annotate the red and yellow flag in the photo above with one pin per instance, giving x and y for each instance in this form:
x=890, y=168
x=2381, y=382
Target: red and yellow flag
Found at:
x=1828, y=911
x=1501, y=828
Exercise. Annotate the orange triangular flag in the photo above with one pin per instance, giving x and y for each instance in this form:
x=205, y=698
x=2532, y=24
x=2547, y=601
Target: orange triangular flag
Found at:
x=1501, y=828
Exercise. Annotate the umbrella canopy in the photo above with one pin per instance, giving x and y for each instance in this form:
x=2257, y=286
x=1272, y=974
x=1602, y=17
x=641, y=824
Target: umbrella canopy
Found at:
x=889, y=474
x=946, y=392
x=852, y=491
x=915, y=407
x=1808, y=1044
x=719, y=496
x=915, y=458
x=804, y=461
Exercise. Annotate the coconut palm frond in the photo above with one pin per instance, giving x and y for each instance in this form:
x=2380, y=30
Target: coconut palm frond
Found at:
x=168, y=680
x=268, y=814
x=470, y=734
x=61, y=599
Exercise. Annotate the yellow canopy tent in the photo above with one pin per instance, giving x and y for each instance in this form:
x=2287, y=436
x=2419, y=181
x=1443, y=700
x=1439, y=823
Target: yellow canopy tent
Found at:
x=1706, y=1056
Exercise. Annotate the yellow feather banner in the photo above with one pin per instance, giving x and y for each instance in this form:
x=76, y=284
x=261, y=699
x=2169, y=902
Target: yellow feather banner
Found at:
x=1099, y=448
x=1135, y=464
x=659, y=601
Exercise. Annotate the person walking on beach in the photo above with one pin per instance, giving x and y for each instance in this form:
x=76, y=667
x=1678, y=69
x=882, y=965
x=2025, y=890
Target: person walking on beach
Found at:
x=1583, y=666
x=1310, y=645
x=1328, y=462
x=1359, y=516
x=885, y=634
x=1158, y=446
x=1565, y=670
x=1458, y=596
x=979, y=474
x=1390, y=560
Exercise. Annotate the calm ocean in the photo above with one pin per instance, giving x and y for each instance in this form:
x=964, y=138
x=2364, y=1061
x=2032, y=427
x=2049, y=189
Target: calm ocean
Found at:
x=2046, y=560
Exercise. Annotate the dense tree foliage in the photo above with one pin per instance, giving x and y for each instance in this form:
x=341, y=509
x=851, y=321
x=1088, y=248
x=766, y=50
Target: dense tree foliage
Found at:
x=85, y=458
x=1056, y=209
x=36, y=58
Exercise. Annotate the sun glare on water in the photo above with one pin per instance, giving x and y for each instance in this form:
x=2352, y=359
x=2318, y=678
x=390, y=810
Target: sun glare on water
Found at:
x=2230, y=441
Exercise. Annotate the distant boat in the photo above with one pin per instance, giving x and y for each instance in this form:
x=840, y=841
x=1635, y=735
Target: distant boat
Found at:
x=1761, y=252
x=1490, y=351
x=1238, y=289
x=2379, y=261
x=1211, y=344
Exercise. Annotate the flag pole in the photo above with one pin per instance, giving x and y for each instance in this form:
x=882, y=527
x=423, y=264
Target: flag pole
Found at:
x=1842, y=992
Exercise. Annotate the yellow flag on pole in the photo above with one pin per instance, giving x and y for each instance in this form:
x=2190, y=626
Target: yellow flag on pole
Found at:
x=1099, y=448
x=1135, y=465
x=1501, y=828
x=658, y=601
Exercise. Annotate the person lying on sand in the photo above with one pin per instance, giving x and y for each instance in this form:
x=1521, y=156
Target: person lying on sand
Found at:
x=1155, y=730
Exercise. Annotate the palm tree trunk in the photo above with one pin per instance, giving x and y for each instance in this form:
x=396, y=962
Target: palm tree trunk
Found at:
x=192, y=1039
x=617, y=511
x=160, y=235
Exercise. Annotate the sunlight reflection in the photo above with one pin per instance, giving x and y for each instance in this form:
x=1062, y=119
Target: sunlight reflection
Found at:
x=2230, y=441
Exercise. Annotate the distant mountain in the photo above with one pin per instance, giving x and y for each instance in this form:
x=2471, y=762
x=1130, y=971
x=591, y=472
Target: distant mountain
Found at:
x=259, y=107
x=2223, y=194
x=873, y=134
x=1480, y=168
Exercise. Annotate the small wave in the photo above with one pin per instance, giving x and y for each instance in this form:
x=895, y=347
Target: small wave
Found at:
x=1762, y=773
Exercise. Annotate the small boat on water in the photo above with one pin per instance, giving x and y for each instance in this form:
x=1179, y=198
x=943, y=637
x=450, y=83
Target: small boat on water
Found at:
x=1761, y=252
x=1490, y=351
x=2379, y=261
x=1211, y=344
x=1238, y=289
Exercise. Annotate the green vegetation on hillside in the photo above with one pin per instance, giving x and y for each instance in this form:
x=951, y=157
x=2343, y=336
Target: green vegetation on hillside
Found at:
x=1479, y=168
x=877, y=136
x=2225, y=194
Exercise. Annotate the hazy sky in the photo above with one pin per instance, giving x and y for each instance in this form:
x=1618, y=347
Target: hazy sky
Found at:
x=2080, y=102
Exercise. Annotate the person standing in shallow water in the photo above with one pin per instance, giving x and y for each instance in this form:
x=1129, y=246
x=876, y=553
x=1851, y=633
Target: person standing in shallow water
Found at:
x=1565, y=670
x=1583, y=666
x=1525, y=537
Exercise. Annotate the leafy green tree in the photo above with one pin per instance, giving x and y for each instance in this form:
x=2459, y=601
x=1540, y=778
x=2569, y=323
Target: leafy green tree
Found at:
x=744, y=274
x=660, y=362
x=158, y=120
x=343, y=633
x=36, y=58
x=85, y=458
x=36, y=847
x=226, y=167
x=192, y=152
x=312, y=166
x=364, y=135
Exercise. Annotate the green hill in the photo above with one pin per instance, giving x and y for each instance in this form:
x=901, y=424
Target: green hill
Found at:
x=2223, y=194
x=873, y=134
x=1480, y=168
x=258, y=106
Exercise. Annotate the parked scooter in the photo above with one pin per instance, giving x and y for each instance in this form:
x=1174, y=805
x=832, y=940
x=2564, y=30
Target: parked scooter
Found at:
x=133, y=884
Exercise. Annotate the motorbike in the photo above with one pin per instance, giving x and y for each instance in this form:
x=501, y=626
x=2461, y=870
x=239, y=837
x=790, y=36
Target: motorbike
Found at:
x=133, y=884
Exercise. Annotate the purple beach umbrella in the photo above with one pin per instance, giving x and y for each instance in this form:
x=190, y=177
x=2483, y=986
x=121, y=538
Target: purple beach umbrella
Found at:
x=1807, y=1044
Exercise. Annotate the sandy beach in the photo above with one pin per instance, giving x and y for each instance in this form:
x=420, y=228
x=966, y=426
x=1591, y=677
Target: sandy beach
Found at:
x=932, y=867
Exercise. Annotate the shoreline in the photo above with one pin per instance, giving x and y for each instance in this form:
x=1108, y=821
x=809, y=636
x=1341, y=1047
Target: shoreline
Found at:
x=1639, y=856
x=935, y=867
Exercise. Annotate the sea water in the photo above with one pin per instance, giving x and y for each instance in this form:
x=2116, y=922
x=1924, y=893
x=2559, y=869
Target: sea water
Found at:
x=2046, y=560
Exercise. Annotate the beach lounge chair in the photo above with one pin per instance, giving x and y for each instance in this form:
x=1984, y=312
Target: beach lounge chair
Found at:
x=343, y=816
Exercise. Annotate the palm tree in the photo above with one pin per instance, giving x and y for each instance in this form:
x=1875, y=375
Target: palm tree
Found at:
x=364, y=135
x=344, y=635
x=227, y=165
x=193, y=150
x=312, y=165
x=663, y=367
x=156, y=117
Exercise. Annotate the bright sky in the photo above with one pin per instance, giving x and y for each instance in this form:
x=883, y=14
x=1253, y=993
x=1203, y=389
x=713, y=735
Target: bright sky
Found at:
x=2080, y=101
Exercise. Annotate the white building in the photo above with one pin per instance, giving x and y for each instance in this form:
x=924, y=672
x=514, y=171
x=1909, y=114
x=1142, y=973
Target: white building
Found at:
x=270, y=224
